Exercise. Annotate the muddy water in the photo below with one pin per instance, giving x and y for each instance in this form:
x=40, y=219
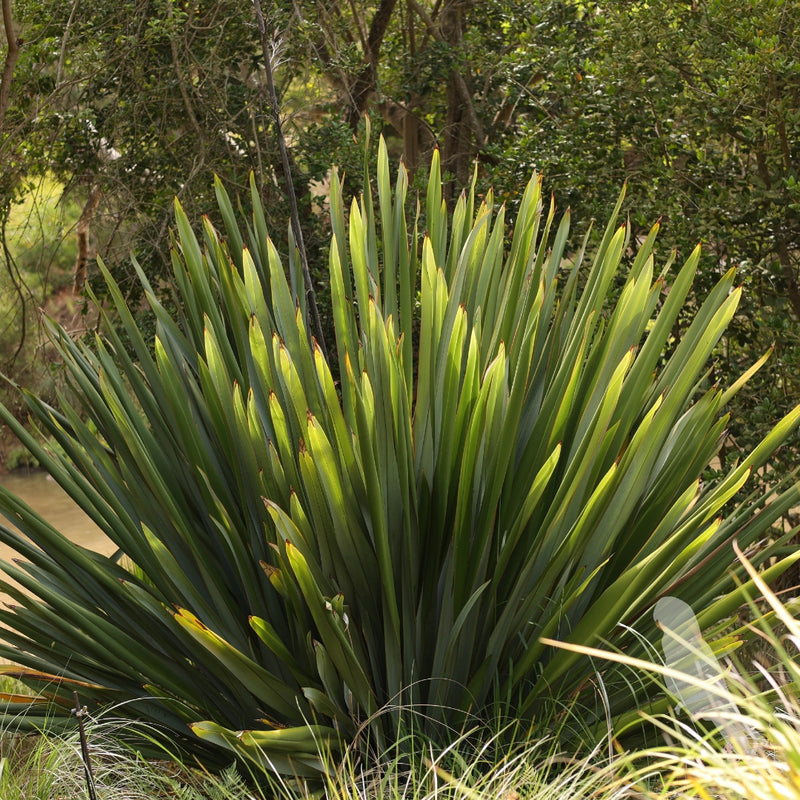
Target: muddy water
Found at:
x=44, y=495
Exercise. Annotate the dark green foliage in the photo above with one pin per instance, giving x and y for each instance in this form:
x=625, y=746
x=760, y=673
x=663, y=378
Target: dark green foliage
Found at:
x=694, y=104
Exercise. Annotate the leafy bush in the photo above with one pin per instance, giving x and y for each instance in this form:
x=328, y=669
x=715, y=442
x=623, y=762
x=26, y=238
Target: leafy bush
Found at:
x=509, y=454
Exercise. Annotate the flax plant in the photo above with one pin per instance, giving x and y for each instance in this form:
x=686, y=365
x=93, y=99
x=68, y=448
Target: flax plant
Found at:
x=512, y=449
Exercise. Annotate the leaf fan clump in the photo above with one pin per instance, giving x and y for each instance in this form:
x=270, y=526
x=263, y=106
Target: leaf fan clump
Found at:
x=510, y=447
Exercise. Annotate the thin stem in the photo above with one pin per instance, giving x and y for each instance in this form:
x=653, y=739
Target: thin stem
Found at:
x=80, y=713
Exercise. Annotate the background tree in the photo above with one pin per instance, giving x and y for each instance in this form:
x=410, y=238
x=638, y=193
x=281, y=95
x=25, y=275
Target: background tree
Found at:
x=130, y=104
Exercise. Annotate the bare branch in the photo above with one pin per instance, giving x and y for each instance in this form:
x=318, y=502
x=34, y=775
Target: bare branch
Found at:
x=311, y=298
x=64, y=40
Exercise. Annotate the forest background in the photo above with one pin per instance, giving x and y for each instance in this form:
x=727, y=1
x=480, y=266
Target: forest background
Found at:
x=109, y=110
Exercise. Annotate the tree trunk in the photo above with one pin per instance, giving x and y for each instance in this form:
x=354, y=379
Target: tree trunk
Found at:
x=12, y=54
x=83, y=231
x=463, y=135
x=789, y=275
x=366, y=81
x=457, y=148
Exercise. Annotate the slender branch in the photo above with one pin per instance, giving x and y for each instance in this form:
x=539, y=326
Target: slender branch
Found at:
x=781, y=126
x=782, y=249
x=789, y=274
x=12, y=54
x=311, y=298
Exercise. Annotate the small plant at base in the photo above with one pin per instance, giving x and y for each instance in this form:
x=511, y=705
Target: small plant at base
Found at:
x=508, y=455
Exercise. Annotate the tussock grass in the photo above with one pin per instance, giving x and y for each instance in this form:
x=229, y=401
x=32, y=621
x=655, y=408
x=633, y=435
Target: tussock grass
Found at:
x=48, y=766
x=767, y=701
x=482, y=763
x=532, y=769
